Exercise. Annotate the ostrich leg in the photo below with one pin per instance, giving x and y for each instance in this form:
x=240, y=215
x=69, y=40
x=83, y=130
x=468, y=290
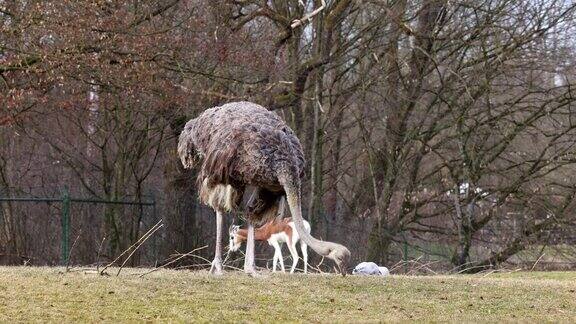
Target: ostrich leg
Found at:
x=249, y=260
x=281, y=208
x=216, y=267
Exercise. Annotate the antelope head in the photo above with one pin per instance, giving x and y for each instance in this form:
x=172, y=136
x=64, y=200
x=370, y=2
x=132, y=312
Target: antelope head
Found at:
x=235, y=239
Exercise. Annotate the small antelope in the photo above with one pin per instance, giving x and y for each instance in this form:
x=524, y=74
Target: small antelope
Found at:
x=275, y=232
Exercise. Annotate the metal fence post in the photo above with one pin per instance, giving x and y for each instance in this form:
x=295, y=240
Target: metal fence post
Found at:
x=65, y=222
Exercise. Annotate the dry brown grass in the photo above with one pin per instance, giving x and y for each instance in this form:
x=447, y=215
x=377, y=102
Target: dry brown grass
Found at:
x=49, y=294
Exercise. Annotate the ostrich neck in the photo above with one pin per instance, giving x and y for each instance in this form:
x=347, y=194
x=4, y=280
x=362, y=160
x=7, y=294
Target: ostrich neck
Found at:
x=293, y=198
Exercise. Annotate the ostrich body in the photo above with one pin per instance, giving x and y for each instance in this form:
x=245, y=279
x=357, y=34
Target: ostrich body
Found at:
x=240, y=145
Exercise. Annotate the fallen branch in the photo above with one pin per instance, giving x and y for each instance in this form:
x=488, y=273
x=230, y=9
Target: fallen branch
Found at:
x=157, y=225
x=425, y=266
x=317, y=267
x=197, y=265
x=137, y=247
x=176, y=259
x=397, y=265
x=98, y=255
x=70, y=252
x=535, y=263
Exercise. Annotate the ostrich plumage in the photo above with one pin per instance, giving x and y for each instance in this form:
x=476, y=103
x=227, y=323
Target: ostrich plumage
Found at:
x=240, y=145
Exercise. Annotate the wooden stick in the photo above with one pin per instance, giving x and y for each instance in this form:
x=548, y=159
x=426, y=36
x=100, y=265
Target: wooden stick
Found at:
x=137, y=247
x=128, y=249
x=98, y=255
x=178, y=258
x=535, y=263
x=70, y=252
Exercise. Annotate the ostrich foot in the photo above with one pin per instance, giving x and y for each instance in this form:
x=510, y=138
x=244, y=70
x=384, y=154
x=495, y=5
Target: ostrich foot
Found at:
x=252, y=273
x=216, y=268
x=250, y=270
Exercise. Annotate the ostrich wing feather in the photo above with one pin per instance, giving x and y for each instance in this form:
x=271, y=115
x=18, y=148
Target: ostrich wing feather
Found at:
x=240, y=144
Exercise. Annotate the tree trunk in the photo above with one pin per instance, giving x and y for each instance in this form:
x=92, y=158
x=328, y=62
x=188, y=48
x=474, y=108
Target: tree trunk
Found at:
x=11, y=238
x=462, y=252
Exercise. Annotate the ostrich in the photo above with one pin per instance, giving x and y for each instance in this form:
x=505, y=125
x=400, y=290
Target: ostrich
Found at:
x=242, y=145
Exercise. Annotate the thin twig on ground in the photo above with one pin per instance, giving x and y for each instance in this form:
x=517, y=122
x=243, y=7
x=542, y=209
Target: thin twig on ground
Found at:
x=70, y=252
x=137, y=247
x=397, y=265
x=317, y=267
x=425, y=266
x=197, y=265
x=128, y=249
x=176, y=259
x=98, y=255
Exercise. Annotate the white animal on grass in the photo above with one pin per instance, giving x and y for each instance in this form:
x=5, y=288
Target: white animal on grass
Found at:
x=370, y=269
x=275, y=232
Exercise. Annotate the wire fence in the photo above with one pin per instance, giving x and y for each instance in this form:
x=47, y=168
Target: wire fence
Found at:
x=68, y=229
x=79, y=227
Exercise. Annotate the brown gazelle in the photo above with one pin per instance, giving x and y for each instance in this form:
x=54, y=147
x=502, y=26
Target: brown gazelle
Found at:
x=243, y=145
x=275, y=232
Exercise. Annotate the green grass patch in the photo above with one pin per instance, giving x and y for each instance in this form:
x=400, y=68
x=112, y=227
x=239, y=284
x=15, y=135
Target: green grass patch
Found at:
x=49, y=294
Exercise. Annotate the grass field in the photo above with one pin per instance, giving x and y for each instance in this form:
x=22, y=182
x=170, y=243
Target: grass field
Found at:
x=49, y=294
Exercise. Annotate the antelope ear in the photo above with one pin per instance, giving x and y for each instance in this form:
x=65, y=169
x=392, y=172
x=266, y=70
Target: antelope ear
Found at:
x=231, y=228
